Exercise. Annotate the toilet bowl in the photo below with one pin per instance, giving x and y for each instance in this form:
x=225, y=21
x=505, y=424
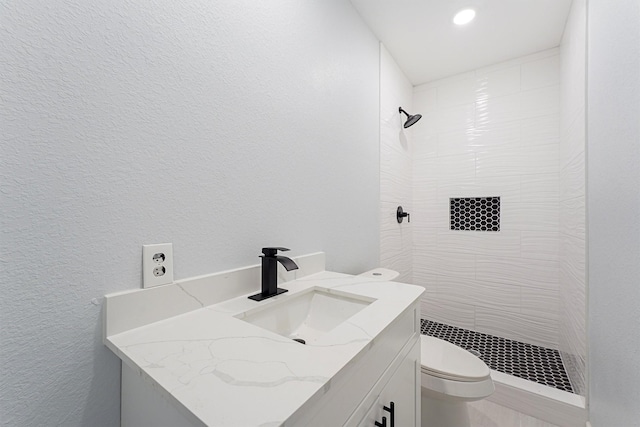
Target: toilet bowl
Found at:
x=450, y=377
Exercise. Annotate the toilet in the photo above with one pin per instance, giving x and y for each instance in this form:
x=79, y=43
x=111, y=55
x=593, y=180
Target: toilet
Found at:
x=450, y=376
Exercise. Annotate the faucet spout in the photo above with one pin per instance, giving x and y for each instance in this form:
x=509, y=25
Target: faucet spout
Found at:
x=287, y=263
x=270, y=261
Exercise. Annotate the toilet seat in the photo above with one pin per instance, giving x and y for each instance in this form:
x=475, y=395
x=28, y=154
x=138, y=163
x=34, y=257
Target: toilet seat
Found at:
x=444, y=360
x=452, y=373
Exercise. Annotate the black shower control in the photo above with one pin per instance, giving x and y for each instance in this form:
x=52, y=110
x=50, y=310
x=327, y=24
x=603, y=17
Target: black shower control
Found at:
x=401, y=214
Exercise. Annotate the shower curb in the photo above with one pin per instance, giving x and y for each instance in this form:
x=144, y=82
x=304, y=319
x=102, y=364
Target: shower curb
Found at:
x=545, y=403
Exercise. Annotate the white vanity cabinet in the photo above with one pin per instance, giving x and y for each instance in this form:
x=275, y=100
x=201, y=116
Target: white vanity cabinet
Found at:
x=207, y=367
x=388, y=372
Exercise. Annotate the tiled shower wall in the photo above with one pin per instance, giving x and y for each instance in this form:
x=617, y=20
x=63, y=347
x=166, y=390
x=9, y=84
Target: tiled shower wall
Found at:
x=573, y=346
x=490, y=132
x=395, y=168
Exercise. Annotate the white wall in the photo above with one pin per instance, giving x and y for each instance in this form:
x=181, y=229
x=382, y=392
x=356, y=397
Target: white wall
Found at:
x=490, y=132
x=219, y=126
x=613, y=207
x=573, y=338
x=395, y=168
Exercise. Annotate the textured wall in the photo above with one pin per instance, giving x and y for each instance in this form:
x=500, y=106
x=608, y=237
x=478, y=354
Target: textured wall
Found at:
x=572, y=255
x=491, y=132
x=613, y=209
x=219, y=126
x=395, y=167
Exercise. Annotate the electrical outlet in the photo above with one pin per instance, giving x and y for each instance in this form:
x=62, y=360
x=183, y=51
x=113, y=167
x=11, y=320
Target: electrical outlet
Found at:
x=157, y=264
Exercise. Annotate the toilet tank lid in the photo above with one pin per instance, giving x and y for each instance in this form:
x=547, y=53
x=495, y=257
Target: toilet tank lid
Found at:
x=445, y=359
x=380, y=273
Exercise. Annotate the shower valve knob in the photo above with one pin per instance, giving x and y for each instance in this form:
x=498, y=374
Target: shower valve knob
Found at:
x=401, y=214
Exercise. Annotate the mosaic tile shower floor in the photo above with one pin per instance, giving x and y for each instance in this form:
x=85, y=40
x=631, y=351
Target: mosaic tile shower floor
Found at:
x=527, y=361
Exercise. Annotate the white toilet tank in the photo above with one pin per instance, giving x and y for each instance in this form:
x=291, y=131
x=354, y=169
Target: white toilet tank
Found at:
x=380, y=274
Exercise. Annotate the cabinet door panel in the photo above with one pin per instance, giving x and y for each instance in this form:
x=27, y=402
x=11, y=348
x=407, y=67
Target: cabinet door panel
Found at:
x=403, y=389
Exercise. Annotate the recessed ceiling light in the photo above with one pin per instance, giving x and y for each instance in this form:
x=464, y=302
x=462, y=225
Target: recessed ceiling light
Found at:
x=464, y=16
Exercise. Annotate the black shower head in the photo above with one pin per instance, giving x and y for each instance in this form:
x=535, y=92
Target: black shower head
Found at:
x=411, y=120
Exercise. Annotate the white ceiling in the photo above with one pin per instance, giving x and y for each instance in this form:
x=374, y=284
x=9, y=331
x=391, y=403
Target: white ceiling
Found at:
x=427, y=46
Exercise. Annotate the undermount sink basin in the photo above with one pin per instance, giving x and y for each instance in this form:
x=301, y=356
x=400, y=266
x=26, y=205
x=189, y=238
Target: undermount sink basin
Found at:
x=306, y=315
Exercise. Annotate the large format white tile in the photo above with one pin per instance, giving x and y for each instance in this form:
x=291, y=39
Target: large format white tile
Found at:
x=541, y=302
x=396, y=240
x=499, y=163
x=424, y=239
x=425, y=279
x=480, y=243
x=573, y=134
x=456, y=142
x=452, y=264
x=457, y=117
x=517, y=61
x=425, y=143
x=540, y=188
x=425, y=189
x=541, y=130
x=497, y=110
x=425, y=100
x=457, y=290
x=541, y=216
x=480, y=187
x=458, y=92
x=518, y=272
x=536, y=330
x=497, y=296
x=498, y=136
x=432, y=214
x=573, y=257
x=540, y=102
x=456, y=166
x=541, y=73
x=539, y=159
x=540, y=245
x=448, y=312
x=572, y=178
x=504, y=81
x=395, y=186
x=573, y=217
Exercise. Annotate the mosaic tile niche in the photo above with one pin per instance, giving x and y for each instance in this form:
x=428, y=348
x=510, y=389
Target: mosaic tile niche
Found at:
x=475, y=213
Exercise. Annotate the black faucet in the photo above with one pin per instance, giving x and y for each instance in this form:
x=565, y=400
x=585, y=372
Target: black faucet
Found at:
x=270, y=260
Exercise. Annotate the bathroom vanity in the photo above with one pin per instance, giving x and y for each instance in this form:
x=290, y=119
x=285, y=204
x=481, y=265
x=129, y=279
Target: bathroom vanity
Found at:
x=195, y=354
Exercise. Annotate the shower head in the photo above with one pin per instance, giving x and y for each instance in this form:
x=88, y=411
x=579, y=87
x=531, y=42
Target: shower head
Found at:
x=411, y=120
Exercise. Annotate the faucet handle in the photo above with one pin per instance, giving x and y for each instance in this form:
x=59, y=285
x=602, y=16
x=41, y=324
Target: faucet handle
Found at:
x=272, y=251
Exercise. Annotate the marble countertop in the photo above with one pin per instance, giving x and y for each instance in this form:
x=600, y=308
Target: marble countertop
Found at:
x=219, y=370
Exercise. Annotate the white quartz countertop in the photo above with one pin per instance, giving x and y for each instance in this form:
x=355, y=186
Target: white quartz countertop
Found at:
x=221, y=371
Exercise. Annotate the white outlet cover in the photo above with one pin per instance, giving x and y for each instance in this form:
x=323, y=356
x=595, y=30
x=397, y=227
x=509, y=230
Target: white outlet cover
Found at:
x=150, y=262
